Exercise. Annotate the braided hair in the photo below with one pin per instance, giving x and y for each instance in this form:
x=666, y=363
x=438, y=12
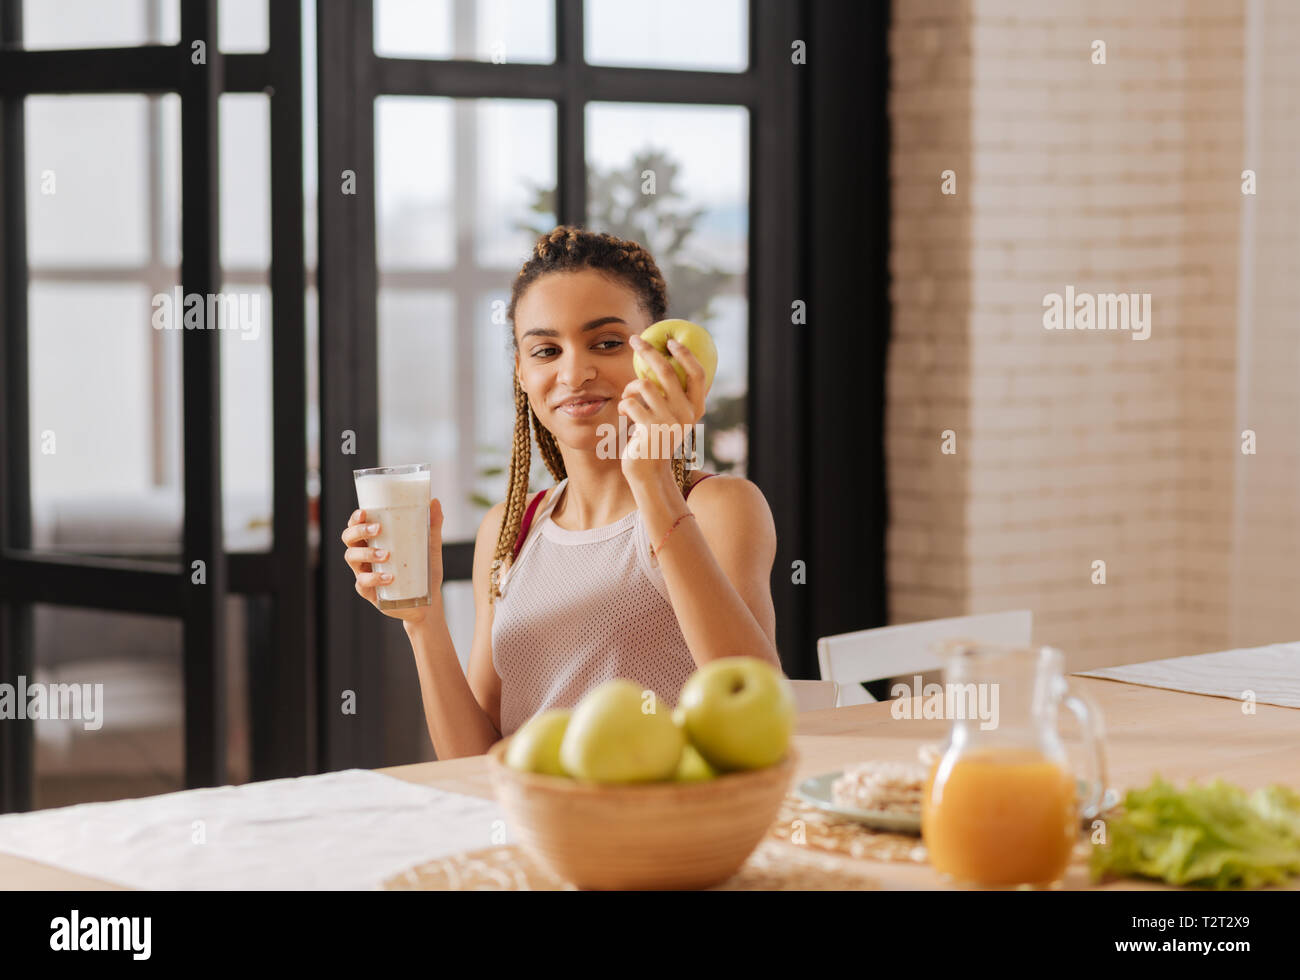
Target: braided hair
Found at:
x=567, y=248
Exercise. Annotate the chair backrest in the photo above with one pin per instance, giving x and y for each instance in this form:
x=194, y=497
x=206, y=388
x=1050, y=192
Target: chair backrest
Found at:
x=815, y=695
x=910, y=648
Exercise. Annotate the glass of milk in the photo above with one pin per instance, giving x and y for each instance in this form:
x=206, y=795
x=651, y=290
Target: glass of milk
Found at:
x=397, y=499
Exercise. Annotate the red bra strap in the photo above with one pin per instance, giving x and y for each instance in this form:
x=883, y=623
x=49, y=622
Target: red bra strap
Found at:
x=532, y=508
x=528, y=520
x=696, y=484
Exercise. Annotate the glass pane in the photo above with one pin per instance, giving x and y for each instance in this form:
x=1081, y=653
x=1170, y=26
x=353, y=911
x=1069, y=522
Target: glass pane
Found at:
x=245, y=181
x=464, y=187
x=471, y=171
x=309, y=160
x=494, y=409
x=513, y=173
x=501, y=31
x=419, y=388
x=165, y=191
x=413, y=187
x=105, y=386
x=246, y=447
x=91, y=167
x=122, y=734
x=711, y=35
x=98, y=476
x=242, y=25
x=676, y=179
x=52, y=24
x=246, y=393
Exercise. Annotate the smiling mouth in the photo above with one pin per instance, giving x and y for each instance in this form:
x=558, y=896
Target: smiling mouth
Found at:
x=584, y=408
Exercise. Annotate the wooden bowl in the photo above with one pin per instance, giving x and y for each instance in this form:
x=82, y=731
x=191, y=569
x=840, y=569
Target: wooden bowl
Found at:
x=640, y=836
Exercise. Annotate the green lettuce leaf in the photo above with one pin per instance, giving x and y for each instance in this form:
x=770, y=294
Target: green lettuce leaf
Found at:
x=1215, y=836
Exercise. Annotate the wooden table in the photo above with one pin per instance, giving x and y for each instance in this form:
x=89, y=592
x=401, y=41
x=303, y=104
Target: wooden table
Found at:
x=1149, y=730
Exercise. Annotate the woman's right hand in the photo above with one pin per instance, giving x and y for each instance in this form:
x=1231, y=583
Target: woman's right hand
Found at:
x=360, y=558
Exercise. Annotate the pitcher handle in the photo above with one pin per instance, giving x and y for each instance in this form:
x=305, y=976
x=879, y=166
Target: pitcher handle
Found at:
x=1094, y=735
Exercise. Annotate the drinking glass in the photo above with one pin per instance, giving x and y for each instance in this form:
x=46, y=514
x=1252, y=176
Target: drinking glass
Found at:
x=397, y=499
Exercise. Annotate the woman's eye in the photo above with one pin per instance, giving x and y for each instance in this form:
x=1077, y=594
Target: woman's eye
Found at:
x=546, y=351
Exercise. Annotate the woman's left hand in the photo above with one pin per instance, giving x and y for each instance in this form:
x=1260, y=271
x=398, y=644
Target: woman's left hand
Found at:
x=664, y=413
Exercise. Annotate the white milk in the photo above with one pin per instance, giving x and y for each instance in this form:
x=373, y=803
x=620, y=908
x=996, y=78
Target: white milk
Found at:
x=399, y=503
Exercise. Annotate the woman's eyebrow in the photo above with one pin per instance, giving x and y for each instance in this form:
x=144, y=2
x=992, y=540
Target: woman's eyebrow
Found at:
x=592, y=325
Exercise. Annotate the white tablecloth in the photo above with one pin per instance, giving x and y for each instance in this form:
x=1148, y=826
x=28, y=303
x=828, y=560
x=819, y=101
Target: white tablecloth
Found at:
x=340, y=830
x=1271, y=673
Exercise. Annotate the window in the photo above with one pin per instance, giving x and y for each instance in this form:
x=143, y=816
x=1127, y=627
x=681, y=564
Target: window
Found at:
x=676, y=179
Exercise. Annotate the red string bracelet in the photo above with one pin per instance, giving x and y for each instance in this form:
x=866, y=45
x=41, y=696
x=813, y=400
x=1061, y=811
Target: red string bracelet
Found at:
x=654, y=551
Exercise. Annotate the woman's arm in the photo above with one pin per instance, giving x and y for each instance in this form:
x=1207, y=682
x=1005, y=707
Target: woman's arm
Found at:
x=717, y=566
x=458, y=725
x=462, y=713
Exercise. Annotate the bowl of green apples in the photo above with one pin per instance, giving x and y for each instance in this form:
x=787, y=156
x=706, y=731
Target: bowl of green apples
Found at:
x=625, y=792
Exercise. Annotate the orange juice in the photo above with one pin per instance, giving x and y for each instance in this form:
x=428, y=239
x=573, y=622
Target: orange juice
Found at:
x=1004, y=816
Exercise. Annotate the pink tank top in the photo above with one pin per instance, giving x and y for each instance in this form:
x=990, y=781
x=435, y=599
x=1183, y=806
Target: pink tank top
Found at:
x=581, y=607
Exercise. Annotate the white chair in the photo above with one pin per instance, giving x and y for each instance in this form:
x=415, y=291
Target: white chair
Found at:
x=898, y=651
x=815, y=695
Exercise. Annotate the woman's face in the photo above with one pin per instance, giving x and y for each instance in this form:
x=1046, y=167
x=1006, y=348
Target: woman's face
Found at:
x=572, y=331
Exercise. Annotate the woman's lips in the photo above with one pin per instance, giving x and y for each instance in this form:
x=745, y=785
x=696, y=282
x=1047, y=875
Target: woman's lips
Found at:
x=582, y=410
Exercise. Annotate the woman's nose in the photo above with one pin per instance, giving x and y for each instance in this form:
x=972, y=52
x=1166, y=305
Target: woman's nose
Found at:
x=576, y=369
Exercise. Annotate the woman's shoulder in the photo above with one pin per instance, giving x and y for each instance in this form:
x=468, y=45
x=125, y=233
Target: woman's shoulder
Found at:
x=498, y=509
x=728, y=493
x=496, y=514
x=694, y=477
x=720, y=482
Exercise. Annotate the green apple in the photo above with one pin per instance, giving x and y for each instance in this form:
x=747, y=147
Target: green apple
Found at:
x=690, y=335
x=693, y=768
x=614, y=736
x=739, y=713
x=536, y=746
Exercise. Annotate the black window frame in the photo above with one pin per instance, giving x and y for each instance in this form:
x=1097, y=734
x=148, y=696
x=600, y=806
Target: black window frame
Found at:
x=818, y=234
x=282, y=697
x=815, y=450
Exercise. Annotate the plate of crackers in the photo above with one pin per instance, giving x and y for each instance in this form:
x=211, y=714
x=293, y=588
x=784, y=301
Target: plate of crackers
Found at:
x=884, y=795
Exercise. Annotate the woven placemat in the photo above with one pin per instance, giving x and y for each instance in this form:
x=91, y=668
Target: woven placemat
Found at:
x=802, y=823
x=805, y=850
x=774, y=866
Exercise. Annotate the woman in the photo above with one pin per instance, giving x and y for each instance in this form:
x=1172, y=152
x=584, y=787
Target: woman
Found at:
x=609, y=573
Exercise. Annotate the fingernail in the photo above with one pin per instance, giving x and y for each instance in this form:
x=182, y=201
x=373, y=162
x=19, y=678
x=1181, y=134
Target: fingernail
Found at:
x=381, y=554
x=386, y=576
x=673, y=344
x=373, y=528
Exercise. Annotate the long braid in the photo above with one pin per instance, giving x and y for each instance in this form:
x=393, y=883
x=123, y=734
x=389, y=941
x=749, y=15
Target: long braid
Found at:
x=521, y=459
x=550, y=450
x=567, y=248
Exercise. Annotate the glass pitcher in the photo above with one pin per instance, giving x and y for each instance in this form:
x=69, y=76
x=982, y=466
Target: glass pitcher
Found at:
x=1001, y=805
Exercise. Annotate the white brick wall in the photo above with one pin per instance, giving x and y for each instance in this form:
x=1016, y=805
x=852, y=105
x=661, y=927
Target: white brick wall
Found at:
x=1266, y=553
x=1075, y=446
